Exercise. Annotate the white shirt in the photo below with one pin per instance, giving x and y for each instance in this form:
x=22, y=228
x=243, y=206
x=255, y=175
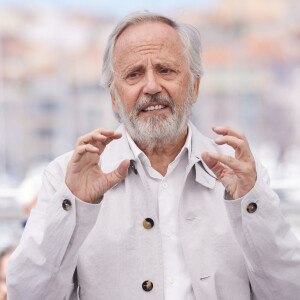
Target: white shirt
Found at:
x=167, y=190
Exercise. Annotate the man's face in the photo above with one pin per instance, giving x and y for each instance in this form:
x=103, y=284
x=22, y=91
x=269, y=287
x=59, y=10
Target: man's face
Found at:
x=152, y=82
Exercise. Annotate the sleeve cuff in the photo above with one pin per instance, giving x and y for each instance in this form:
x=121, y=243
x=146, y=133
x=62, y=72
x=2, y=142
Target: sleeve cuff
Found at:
x=86, y=213
x=260, y=192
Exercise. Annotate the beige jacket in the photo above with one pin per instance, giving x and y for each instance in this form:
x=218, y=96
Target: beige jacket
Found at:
x=231, y=254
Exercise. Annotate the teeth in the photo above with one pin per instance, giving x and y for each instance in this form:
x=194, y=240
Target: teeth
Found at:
x=154, y=107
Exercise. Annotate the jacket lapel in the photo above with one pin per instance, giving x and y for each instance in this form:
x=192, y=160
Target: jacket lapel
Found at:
x=116, y=152
x=201, y=144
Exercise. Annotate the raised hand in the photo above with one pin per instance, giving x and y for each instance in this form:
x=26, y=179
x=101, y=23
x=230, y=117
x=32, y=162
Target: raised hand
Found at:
x=84, y=176
x=239, y=173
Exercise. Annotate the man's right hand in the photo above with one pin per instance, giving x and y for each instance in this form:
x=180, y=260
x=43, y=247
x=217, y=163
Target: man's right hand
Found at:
x=84, y=176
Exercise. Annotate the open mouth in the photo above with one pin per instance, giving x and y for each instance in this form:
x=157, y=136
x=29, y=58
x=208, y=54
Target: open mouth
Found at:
x=154, y=107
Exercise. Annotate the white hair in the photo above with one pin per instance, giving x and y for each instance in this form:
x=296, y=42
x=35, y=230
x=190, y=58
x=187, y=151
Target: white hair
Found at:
x=188, y=34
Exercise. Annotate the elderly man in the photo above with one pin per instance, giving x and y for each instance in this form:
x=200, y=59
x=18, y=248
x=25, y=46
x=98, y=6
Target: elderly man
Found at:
x=155, y=210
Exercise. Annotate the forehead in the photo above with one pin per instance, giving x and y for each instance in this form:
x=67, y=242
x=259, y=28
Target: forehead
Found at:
x=149, y=37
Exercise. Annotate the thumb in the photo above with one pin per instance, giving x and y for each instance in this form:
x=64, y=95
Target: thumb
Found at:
x=213, y=164
x=119, y=174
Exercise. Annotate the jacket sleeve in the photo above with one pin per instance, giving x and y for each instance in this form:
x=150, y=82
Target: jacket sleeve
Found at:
x=271, y=251
x=43, y=265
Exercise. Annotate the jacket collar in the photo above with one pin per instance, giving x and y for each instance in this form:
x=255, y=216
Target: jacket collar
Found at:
x=200, y=144
x=119, y=150
x=116, y=152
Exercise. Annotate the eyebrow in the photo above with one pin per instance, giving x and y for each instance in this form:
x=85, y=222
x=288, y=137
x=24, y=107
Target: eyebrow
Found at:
x=173, y=65
x=133, y=68
x=141, y=67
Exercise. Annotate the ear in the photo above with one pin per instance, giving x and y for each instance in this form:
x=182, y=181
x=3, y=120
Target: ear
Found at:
x=196, y=89
x=113, y=101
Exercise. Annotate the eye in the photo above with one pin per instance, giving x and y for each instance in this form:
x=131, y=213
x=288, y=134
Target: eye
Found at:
x=132, y=75
x=166, y=71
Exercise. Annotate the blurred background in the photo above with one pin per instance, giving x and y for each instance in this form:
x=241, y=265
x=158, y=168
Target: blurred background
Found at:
x=50, y=67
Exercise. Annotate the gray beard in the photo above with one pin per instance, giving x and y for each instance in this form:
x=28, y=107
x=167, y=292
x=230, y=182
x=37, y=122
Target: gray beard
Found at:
x=158, y=131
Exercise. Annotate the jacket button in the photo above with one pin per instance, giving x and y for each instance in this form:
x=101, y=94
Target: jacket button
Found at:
x=147, y=286
x=251, y=208
x=148, y=223
x=66, y=204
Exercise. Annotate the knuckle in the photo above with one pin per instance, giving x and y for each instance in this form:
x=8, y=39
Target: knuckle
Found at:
x=227, y=128
x=230, y=159
x=241, y=143
x=84, y=147
x=99, y=130
x=246, y=167
x=77, y=148
x=80, y=140
x=80, y=149
x=83, y=137
x=249, y=169
x=103, y=130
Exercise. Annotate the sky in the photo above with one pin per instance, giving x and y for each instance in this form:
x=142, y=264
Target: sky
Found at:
x=115, y=8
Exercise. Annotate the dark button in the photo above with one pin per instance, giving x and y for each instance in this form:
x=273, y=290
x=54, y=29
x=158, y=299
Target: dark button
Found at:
x=148, y=223
x=66, y=204
x=251, y=208
x=132, y=166
x=147, y=286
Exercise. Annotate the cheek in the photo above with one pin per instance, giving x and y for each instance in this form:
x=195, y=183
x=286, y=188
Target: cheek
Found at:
x=179, y=91
x=129, y=97
x=185, y=88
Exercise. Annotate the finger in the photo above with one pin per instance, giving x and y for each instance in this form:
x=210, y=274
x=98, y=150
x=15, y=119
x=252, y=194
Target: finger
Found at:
x=99, y=135
x=92, y=138
x=213, y=164
x=232, y=141
x=98, y=140
x=226, y=130
x=109, y=133
x=119, y=174
x=227, y=160
x=81, y=150
x=108, y=140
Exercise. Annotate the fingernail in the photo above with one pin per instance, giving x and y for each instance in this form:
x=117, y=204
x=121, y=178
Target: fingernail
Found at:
x=218, y=127
x=211, y=155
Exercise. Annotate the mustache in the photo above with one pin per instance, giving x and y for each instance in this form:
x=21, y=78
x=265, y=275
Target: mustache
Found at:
x=161, y=99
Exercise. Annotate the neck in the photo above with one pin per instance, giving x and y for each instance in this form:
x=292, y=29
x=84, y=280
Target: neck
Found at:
x=160, y=158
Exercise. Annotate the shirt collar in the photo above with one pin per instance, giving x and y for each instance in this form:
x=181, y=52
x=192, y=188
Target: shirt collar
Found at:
x=196, y=143
x=134, y=148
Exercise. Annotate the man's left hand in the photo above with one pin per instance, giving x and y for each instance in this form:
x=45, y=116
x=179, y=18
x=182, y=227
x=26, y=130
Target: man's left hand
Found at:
x=238, y=174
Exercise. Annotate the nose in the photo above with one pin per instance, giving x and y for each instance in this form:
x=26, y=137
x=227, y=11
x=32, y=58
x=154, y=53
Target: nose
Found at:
x=152, y=85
